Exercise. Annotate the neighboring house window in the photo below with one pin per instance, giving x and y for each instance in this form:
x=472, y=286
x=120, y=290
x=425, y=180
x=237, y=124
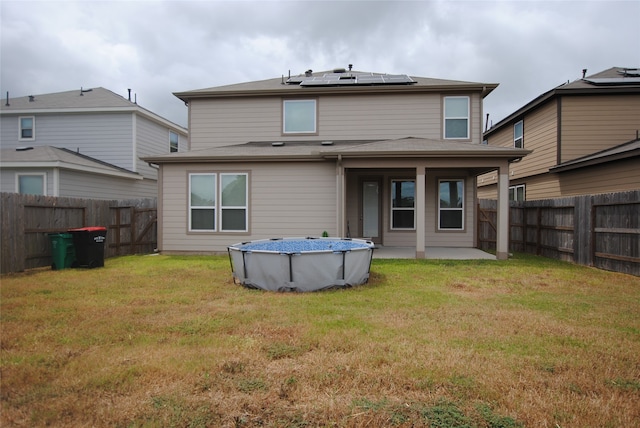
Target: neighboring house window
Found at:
x=209, y=207
x=173, y=142
x=233, y=205
x=451, y=205
x=517, y=193
x=27, y=128
x=31, y=184
x=403, y=199
x=456, y=117
x=202, y=202
x=299, y=117
x=518, y=135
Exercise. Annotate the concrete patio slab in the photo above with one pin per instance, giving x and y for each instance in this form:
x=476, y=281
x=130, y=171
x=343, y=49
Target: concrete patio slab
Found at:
x=436, y=253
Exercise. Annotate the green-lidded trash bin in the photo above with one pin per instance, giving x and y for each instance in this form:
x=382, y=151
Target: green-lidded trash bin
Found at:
x=63, y=252
x=89, y=243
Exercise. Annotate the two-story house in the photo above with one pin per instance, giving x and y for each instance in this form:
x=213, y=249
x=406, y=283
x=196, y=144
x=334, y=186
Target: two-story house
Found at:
x=391, y=158
x=85, y=143
x=583, y=136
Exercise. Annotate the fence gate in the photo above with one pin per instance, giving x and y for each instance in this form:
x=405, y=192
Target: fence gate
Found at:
x=132, y=230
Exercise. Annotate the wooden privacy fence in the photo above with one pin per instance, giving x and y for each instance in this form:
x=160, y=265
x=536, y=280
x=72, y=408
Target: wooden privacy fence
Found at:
x=597, y=230
x=28, y=219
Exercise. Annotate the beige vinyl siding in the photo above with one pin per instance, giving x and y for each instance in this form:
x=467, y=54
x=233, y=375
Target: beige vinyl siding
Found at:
x=615, y=177
x=218, y=122
x=594, y=123
x=285, y=200
x=488, y=192
x=540, y=135
x=608, y=178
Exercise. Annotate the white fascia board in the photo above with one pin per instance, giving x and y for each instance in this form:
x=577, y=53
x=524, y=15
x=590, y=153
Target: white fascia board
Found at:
x=71, y=166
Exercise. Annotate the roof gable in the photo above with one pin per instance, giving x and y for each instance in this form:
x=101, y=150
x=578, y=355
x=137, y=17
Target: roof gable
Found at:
x=54, y=157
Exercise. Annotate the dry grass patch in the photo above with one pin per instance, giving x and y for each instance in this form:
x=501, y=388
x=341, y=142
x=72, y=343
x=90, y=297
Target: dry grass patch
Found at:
x=171, y=341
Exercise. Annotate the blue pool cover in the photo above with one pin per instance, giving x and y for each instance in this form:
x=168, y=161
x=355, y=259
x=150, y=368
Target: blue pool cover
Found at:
x=296, y=246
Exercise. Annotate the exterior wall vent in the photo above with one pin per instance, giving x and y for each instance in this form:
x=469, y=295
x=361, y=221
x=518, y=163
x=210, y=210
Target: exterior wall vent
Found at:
x=327, y=143
x=277, y=144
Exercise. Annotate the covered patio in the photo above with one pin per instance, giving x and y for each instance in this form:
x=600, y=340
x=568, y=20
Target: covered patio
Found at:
x=426, y=167
x=432, y=253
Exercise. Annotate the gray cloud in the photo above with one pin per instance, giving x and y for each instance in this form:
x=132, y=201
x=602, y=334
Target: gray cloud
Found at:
x=159, y=47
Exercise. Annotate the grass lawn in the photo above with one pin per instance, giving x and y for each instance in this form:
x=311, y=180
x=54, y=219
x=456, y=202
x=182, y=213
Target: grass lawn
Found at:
x=160, y=341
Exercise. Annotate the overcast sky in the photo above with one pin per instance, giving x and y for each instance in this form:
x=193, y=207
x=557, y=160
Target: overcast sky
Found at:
x=160, y=47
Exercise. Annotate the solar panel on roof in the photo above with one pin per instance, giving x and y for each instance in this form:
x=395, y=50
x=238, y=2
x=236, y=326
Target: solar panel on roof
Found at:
x=614, y=81
x=348, y=79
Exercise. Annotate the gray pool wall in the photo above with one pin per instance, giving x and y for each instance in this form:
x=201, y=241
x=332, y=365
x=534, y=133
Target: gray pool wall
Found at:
x=343, y=263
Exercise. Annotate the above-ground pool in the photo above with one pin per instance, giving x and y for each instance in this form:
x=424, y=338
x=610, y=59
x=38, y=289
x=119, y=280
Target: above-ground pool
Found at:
x=301, y=264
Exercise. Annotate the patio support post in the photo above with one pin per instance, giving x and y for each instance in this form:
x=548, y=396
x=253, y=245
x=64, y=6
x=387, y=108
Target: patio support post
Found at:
x=420, y=212
x=340, y=198
x=502, y=232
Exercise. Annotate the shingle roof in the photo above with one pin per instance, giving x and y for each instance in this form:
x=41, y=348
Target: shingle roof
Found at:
x=319, y=150
x=94, y=98
x=49, y=156
x=279, y=86
x=623, y=151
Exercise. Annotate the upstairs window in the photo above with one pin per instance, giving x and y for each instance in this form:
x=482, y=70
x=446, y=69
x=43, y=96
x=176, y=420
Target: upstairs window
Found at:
x=451, y=205
x=31, y=184
x=27, y=128
x=299, y=117
x=518, y=135
x=403, y=203
x=173, y=142
x=456, y=117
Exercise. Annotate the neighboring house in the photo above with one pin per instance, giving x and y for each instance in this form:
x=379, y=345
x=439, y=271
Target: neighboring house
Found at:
x=583, y=136
x=391, y=158
x=85, y=143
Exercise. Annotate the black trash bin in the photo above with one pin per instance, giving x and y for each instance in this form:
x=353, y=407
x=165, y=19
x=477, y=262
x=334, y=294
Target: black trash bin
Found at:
x=89, y=243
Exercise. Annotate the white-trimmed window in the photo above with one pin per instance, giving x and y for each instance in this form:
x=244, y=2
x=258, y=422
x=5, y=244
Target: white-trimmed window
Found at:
x=234, y=202
x=518, y=135
x=451, y=204
x=27, y=128
x=456, y=117
x=299, y=117
x=218, y=202
x=202, y=202
x=517, y=193
x=31, y=184
x=403, y=204
x=173, y=141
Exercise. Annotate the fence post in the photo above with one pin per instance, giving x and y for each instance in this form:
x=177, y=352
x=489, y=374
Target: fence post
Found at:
x=583, y=227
